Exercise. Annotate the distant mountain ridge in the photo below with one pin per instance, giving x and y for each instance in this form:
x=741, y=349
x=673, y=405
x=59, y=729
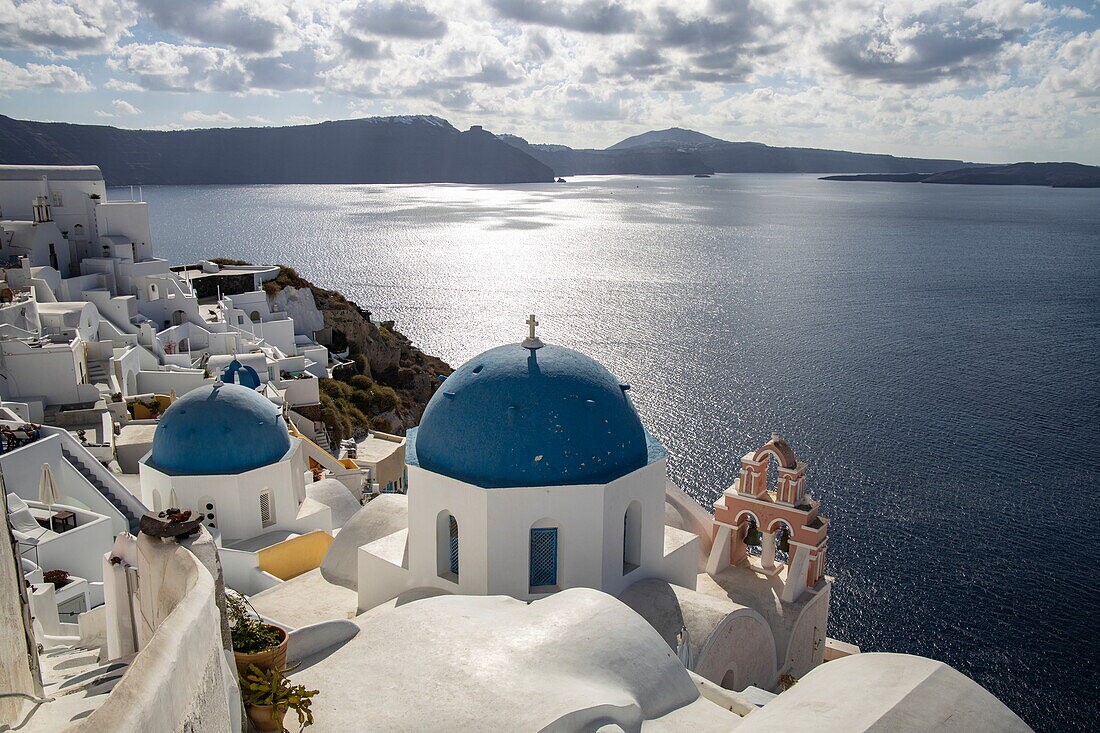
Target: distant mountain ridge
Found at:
x=680, y=151
x=672, y=137
x=425, y=149
x=406, y=149
x=1055, y=175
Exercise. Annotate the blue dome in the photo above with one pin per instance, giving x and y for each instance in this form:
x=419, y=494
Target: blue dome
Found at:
x=514, y=416
x=223, y=428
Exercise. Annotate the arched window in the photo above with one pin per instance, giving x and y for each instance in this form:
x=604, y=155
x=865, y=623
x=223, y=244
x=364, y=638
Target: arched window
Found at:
x=255, y=316
x=446, y=527
x=751, y=532
x=632, y=537
x=544, y=556
x=783, y=535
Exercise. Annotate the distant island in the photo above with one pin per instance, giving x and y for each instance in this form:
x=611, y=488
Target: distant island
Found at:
x=427, y=149
x=1055, y=175
x=677, y=151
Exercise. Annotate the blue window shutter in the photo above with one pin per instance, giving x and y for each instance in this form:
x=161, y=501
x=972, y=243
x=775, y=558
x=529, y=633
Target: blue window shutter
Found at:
x=454, y=544
x=544, y=556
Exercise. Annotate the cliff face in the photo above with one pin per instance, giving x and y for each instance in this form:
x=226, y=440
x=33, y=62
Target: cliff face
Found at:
x=391, y=358
x=415, y=149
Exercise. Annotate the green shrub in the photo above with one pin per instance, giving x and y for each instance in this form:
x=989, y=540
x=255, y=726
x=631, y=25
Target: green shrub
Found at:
x=386, y=398
x=286, y=278
x=361, y=382
x=357, y=403
x=334, y=388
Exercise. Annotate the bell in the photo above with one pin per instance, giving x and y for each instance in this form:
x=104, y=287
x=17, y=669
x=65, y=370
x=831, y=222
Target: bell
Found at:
x=784, y=544
x=752, y=537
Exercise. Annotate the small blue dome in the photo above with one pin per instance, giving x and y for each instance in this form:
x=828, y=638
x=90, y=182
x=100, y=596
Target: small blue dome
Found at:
x=223, y=428
x=514, y=416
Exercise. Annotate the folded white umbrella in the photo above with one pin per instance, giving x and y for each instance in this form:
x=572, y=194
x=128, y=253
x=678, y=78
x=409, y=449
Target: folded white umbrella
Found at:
x=173, y=500
x=47, y=490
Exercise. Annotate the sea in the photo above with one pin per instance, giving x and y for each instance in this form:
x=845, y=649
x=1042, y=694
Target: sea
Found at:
x=932, y=352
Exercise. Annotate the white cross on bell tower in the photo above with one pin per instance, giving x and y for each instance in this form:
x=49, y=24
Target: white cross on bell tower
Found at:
x=532, y=341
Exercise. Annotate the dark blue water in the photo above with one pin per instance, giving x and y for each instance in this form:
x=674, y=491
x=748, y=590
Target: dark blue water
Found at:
x=931, y=351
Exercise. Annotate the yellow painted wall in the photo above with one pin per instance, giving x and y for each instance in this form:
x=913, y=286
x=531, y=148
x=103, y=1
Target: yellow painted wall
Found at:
x=290, y=558
x=141, y=412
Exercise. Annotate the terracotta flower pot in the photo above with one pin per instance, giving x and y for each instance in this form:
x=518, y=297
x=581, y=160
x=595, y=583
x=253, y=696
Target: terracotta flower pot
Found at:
x=273, y=658
x=261, y=717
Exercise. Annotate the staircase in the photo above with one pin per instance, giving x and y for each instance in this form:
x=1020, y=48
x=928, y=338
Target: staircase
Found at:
x=94, y=480
x=97, y=373
x=320, y=437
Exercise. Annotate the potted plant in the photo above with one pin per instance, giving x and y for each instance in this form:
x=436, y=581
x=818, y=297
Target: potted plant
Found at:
x=268, y=695
x=59, y=578
x=254, y=642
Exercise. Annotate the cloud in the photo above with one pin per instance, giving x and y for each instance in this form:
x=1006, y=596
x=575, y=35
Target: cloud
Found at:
x=55, y=78
x=199, y=118
x=920, y=50
x=166, y=67
x=586, y=16
x=119, y=108
x=495, y=73
x=206, y=118
x=396, y=18
x=364, y=49
x=255, y=26
x=63, y=27
x=288, y=71
x=923, y=42
x=911, y=74
x=1078, y=69
x=640, y=63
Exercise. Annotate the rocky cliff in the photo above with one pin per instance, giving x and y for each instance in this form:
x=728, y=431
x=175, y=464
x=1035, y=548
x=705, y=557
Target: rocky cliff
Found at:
x=391, y=380
x=411, y=149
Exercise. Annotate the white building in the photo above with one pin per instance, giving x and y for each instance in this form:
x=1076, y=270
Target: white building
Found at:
x=530, y=473
x=61, y=240
x=224, y=451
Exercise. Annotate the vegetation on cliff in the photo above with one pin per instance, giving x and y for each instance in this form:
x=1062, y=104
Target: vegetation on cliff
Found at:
x=389, y=380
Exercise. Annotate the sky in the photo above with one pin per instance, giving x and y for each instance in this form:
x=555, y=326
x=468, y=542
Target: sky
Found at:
x=979, y=80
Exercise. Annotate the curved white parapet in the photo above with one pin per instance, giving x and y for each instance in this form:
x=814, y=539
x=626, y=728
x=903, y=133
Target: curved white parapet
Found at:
x=885, y=692
x=178, y=680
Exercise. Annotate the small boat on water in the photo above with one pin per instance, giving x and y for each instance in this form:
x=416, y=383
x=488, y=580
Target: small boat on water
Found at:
x=702, y=175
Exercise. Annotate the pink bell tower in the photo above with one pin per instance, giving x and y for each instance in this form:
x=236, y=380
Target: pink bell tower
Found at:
x=750, y=504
